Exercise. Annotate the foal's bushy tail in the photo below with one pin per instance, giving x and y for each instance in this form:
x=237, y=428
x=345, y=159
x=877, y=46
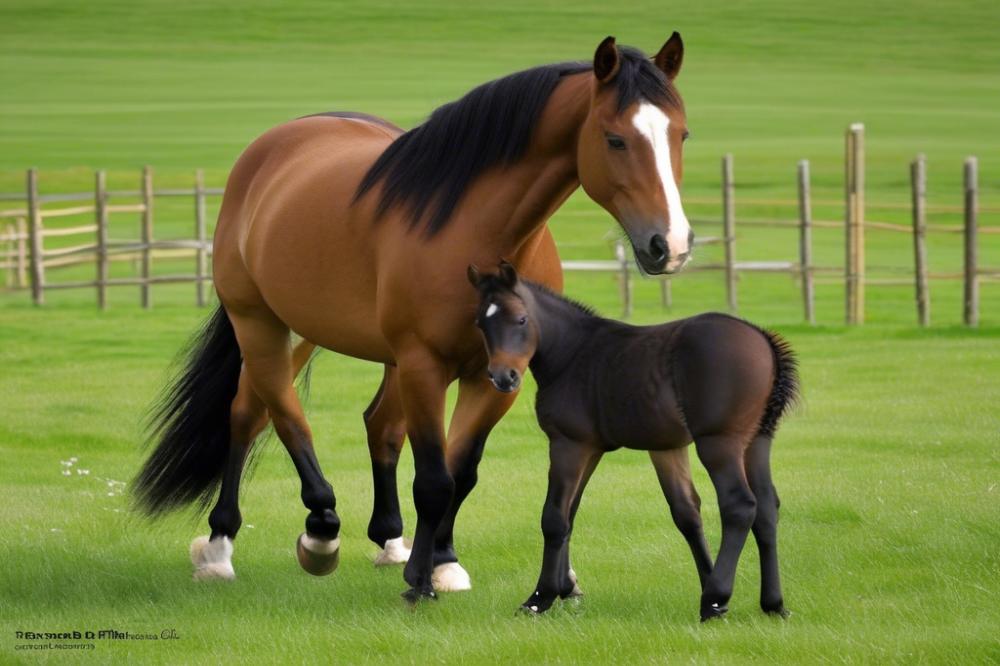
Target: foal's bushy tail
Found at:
x=190, y=424
x=785, y=391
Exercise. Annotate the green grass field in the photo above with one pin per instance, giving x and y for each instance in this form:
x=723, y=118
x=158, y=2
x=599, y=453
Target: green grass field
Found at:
x=889, y=470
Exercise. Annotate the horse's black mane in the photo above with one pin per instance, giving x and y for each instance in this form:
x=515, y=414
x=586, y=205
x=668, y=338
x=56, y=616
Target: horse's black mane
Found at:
x=428, y=168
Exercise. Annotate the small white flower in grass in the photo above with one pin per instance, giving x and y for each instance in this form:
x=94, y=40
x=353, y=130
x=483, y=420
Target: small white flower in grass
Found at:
x=111, y=494
x=66, y=472
x=55, y=529
x=73, y=459
x=82, y=472
x=66, y=463
x=249, y=527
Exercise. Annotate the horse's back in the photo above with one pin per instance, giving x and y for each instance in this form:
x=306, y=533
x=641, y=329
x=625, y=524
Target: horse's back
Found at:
x=289, y=236
x=724, y=371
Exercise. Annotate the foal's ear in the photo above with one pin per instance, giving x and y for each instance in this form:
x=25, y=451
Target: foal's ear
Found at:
x=474, y=276
x=670, y=57
x=606, y=63
x=507, y=274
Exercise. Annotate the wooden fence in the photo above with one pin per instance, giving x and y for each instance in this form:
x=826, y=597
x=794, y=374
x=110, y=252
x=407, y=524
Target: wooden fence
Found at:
x=25, y=258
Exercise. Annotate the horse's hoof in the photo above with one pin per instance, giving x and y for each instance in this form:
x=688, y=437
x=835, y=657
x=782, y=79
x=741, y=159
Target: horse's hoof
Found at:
x=396, y=551
x=713, y=611
x=412, y=596
x=451, y=577
x=537, y=604
x=212, y=559
x=317, y=556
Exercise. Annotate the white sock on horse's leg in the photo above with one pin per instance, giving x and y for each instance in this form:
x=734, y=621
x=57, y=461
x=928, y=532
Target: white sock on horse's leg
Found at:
x=450, y=577
x=396, y=551
x=212, y=559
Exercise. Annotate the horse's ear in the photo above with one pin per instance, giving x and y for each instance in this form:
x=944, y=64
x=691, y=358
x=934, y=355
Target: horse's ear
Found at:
x=606, y=63
x=670, y=57
x=507, y=274
x=474, y=276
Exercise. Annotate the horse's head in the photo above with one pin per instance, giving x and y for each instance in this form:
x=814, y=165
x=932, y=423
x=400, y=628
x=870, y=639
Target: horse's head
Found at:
x=502, y=317
x=629, y=152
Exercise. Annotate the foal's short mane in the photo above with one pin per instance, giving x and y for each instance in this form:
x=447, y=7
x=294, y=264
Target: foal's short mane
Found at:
x=428, y=168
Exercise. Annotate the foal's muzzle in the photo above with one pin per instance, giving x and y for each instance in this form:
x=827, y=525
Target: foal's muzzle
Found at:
x=505, y=381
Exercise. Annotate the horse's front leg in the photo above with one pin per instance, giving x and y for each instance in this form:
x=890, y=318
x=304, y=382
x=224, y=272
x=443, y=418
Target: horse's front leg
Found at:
x=568, y=465
x=423, y=381
x=480, y=406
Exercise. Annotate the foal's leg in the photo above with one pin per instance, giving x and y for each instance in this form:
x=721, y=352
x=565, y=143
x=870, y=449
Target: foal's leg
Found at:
x=267, y=360
x=765, y=525
x=386, y=429
x=722, y=456
x=674, y=471
x=478, y=409
x=571, y=582
x=568, y=463
x=247, y=418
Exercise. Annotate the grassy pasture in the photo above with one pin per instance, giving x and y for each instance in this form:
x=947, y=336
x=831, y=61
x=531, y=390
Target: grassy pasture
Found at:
x=888, y=472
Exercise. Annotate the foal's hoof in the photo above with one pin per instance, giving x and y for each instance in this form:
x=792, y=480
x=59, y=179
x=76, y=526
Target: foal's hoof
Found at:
x=212, y=559
x=317, y=556
x=451, y=577
x=413, y=595
x=575, y=591
x=779, y=611
x=713, y=611
x=396, y=551
x=537, y=604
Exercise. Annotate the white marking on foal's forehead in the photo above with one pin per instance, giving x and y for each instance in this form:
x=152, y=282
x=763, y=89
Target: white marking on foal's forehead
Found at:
x=492, y=310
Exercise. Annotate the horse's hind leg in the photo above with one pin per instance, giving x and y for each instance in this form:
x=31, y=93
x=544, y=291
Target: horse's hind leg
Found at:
x=674, y=472
x=765, y=525
x=722, y=456
x=247, y=419
x=268, y=362
x=386, y=427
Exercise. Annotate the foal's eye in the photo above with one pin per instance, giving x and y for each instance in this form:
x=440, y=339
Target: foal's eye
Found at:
x=522, y=321
x=686, y=135
x=615, y=142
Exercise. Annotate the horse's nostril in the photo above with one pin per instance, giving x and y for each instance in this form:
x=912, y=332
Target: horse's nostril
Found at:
x=513, y=375
x=690, y=240
x=657, y=247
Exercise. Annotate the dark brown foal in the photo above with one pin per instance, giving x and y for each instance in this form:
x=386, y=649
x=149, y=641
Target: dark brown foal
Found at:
x=602, y=385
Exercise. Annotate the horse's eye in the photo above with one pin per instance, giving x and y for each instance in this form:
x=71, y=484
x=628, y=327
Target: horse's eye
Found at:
x=686, y=135
x=522, y=321
x=615, y=142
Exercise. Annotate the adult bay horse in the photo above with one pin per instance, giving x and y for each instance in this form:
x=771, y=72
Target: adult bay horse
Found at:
x=354, y=235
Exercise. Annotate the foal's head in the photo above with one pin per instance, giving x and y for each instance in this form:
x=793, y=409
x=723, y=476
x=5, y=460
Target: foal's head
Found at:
x=503, y=318
x=629, y=152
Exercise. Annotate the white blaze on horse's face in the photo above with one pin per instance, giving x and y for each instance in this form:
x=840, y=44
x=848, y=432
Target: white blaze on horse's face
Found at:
x=652, y=123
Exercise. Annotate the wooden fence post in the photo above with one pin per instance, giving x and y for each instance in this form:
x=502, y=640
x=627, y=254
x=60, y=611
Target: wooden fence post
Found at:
x=918, y=185
x=625, y=277
x=666, y=294
x=855, y=219
x=201, y=255
x=101, y=215
x=729, y=229
x=971, y=291
x=147, y=235
x=10, y=237
x=35, y=236
x=805, y=242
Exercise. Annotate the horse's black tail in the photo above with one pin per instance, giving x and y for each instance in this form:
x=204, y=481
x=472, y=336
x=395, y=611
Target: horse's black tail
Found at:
x=190, y=424
x=785, y=390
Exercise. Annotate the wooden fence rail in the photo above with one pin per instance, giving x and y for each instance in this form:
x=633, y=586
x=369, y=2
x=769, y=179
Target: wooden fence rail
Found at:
x=26, y=262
